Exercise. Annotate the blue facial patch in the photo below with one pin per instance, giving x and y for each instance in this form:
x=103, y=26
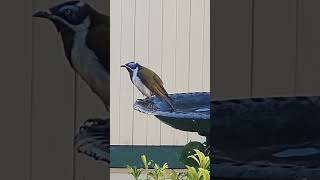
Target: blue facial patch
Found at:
x=132, y=65
x=74, y=9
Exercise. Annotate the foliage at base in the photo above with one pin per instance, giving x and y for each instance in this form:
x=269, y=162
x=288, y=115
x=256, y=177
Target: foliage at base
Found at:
x=197, y=163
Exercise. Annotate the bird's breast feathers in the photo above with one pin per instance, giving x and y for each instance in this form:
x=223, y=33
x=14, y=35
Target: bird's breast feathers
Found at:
x=138, y=83
x=87, y=64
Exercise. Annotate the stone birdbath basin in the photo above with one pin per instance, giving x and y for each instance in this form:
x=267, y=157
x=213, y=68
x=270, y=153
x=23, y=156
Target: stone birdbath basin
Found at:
x=257, y=138
x=266, y=138
x=192, y=111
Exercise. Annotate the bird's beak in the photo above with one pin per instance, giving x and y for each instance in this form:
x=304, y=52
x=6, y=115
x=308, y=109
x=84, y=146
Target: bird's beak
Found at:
x=123, y=66
x=42, y=14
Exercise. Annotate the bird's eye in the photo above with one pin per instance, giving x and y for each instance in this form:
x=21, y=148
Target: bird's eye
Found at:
x=67, y=12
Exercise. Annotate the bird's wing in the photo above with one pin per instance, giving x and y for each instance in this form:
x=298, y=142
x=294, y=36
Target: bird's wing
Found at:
x=152, y=81
x=98, y=40
x=160, y=88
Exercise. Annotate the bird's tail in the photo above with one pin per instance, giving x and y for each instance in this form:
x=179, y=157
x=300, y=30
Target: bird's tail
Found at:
x=168, y=100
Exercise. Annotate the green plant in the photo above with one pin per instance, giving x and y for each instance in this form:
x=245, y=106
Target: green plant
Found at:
x=134, y=172
x=202, y=160
x=188, y=150
x=174, y=175
x=158, y=172
x=201, y=170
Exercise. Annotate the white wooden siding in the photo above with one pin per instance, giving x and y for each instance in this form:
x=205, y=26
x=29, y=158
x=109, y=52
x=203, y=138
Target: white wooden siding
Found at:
x=172, y=38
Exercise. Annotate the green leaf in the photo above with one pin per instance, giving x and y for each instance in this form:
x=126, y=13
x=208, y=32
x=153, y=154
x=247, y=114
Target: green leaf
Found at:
x=134, y=172
x=204, y=174
x=188, y=150
x=144, y=161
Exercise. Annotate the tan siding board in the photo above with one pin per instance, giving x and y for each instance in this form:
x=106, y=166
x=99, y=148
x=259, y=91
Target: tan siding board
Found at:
x=139, y=134
x=168, y=60
x=274, y=48
x=196, y=53
x=16, y=74
x=127, y=54
x=53, y=104
x=231, y=49
x=182, y=57
x=206, y=47
x=115, y=62
x=155, y=57
x=307, y=74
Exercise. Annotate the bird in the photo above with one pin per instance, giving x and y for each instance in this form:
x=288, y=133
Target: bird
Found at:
x=147, y=81
x=85, y=36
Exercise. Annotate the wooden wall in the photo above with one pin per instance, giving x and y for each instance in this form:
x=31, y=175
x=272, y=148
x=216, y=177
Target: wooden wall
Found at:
x=265, y=48
x=172, y=38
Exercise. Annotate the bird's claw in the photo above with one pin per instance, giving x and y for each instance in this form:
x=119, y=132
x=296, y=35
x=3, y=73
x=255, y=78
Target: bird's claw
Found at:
x=147, y=103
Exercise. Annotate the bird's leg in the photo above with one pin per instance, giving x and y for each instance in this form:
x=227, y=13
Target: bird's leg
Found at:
x=147, y=99
x=149, y=103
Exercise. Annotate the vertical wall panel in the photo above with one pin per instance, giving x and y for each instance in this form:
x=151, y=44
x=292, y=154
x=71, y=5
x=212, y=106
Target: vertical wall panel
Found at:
x=139, y=134
x=309, y=54
x=274, y=47
x=126, y=88
x=53, y=103
x=182, y=56
x=115, y=62
x=16, y=73
x=206, y=47
x=231, y=48
x=196, y=52
x=155, y=57
x=168, y=60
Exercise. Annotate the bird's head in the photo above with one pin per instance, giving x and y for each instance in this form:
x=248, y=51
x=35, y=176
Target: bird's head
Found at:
x=131, y=66
x=69, y=16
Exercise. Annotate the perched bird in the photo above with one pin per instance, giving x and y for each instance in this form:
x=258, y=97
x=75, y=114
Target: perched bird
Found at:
x=147, y=81
x=85, y=35
x=86, y=40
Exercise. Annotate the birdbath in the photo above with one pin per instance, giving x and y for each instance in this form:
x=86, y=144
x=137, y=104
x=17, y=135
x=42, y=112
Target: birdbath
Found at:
x=191, y=111
x=257, y=138
x=266, y=138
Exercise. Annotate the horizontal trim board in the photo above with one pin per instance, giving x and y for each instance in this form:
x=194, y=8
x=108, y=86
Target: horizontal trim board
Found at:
x=123, y=155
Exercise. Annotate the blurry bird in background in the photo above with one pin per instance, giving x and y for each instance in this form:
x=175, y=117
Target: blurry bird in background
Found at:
x=86, y=40
x=147, y=82
x=85, y=36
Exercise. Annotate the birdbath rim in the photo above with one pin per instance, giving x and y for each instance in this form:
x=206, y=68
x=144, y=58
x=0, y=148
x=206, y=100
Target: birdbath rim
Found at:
x=192, y=111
